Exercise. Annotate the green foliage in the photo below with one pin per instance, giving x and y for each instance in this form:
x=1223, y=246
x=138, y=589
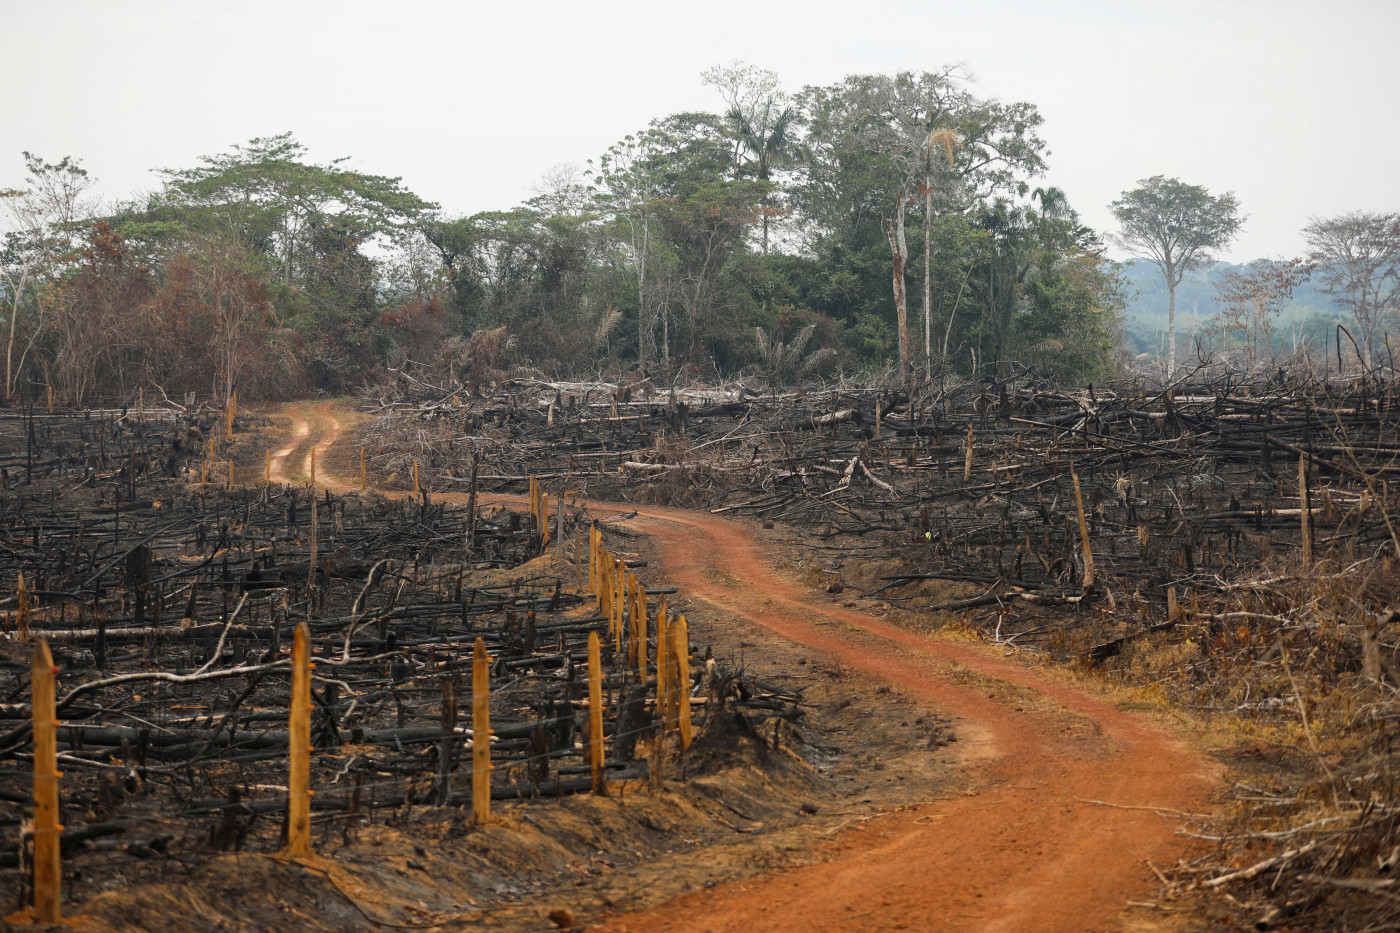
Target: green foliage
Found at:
x=753, y=239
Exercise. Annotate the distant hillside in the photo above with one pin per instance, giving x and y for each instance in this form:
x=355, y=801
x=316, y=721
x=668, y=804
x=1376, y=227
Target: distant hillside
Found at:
x=1312, y=309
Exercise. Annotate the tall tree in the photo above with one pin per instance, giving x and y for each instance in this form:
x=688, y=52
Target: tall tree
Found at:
x=272, y=200
x=1358, y=257
x=627, y=188
x=868, y=146
x=704, y=215
x=766, y=135
x=761, y=121
x=947, y=140
x=1178, y=227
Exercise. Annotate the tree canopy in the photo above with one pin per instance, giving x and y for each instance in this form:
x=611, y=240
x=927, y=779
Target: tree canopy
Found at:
x=1178, y=227
x=774, y=234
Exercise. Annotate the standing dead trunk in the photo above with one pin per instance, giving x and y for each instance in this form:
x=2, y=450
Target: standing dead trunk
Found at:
x=1171, y=327
x=899, y=247
x=928, y=274
x=646, y=327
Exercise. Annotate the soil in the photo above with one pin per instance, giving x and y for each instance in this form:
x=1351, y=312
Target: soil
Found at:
x=934, y=783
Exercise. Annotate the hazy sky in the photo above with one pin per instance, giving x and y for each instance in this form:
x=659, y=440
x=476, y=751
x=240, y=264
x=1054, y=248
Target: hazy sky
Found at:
x=1291, y=105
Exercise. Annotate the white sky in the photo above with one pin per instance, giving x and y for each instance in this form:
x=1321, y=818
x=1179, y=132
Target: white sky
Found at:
x=1289, y=104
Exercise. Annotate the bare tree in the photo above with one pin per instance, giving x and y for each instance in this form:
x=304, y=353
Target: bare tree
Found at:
x=97, y=316
x=234, y=303
x=1358, y=257
x=43, y=220
x=1254, y=297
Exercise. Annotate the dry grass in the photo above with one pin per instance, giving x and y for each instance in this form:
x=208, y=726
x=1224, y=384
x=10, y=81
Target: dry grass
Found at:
x=1312, y=830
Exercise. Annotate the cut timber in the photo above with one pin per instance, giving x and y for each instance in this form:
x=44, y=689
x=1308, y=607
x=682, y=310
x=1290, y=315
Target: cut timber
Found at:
x=299, y=746
x=836, y=417
x=595, y=713
x=47, y=871
x=683, y=678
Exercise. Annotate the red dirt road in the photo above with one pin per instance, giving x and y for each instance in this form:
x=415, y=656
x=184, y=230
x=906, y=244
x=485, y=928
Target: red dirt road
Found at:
x=1024, y=852
x=1024, y=849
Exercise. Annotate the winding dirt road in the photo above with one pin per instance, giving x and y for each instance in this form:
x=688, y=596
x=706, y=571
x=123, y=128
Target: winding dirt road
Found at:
x=1030, y=846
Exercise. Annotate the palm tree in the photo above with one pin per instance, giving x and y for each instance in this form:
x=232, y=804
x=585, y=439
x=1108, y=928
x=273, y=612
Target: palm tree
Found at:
x=764, y=134
x=949, y=140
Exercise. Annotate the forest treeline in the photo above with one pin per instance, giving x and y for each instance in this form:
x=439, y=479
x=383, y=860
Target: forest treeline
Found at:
x=886, y=220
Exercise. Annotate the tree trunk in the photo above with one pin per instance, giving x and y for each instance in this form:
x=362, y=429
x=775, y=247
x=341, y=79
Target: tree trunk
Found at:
x=10, y=346
x=900, y=250
x=1171, y=328
x=928, y=275
x=765, y=225
x=646, y=328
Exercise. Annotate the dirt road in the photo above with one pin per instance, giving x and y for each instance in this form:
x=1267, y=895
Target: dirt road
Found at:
x=1070, y=799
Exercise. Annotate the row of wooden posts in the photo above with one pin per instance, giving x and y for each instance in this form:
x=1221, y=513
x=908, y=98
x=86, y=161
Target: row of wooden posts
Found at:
x=621, y=599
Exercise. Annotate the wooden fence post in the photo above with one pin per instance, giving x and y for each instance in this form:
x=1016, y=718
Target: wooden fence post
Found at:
x=48, y=876
x=600, y=576
x=605, y=585
x=641, y=630
x=663, y=665
x=267, y=467
x=544, y=520
x=595, y=714
x=415, y=479
x=612, y=565
x=313, y=464
x=633, y=616
x=22, y=612
x=299, y=742
x=595, y=563
x=230, y=475
x=683, y=680
x=593, y=559
x=481, y=734
x=620, y=605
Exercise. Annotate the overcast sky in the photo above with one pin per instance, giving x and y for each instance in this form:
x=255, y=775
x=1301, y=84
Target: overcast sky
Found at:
x=1291, y=105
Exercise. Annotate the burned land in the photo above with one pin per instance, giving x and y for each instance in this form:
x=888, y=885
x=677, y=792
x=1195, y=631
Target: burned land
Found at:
x=1222, y=553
